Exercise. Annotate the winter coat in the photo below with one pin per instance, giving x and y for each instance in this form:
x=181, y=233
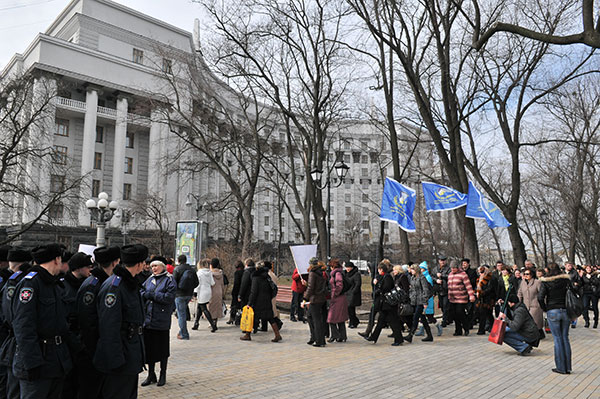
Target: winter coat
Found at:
x=338, y=305
x=501, y=289
x=354, y=294
x=430, y=306
x=177, y=274
x=205, y=282
x=384, y=285
x=472, y=274
x=237, y=282
x=297, y=285
x=215, y=306
x=261, y=295
x=528, y=292
x=246, y=284
x=486, y=291
x=459, y=288
x=553, y=291
x=420, y=291
x=445, y=272
x=402, y=280
x=590, y=283
x=275, y=279
x=159, y=299
x=316, y=289
x=522, y=323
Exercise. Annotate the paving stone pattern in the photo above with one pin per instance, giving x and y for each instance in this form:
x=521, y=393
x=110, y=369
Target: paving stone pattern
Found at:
x=219, y=365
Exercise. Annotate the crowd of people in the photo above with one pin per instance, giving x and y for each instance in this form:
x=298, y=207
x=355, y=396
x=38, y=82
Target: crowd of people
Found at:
x=77, y=326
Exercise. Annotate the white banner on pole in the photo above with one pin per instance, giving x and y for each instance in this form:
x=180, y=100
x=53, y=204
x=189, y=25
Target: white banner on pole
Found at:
x=301, y=255
x=87, y=249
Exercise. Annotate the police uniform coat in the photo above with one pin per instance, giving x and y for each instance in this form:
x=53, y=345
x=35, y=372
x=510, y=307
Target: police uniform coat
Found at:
x=120, y=347
x=87, y=314
x=40, y=327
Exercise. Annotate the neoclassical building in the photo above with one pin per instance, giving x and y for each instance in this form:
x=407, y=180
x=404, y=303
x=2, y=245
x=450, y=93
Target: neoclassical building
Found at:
x=106, y=62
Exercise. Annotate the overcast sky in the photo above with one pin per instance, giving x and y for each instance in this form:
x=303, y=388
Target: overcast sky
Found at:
x=21, y=20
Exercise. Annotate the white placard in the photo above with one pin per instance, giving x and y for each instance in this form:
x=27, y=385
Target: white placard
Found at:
x=301, y=255
x=87, y=249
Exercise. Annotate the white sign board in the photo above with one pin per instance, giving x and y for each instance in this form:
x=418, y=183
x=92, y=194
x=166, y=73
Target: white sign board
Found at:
x=87, y=249
x=301, y=255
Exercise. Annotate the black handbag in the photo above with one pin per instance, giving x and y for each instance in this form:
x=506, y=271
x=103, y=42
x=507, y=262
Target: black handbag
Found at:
x=573, y=303
x=405, y=309
x=393, y=297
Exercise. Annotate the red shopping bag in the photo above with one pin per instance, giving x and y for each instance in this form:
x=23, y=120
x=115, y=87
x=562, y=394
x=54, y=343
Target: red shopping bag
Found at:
x=497, y=334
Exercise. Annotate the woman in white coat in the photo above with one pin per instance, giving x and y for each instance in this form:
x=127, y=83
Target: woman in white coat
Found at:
x=203, y=293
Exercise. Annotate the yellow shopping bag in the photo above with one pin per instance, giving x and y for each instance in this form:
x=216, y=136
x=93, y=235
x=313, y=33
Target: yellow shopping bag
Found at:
x=247, y=322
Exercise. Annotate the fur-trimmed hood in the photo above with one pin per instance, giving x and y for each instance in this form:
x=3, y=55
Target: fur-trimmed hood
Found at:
x=555, y=278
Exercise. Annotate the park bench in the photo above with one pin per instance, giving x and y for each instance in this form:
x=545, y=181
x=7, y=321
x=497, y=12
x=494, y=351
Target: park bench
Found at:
x=284, y=295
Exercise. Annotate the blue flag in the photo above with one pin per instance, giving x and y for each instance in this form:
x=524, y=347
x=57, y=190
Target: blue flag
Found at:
x=474, y=210
x=442, y=198
x=398, y=204
x=494, y=216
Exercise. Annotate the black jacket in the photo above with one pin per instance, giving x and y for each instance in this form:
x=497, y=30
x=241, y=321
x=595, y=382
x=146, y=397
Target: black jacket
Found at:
x=245, y=285
x=553, y=291
x=261, y=295
x=237, y=282
x=316, y=287
x=72, y=285
x=40, y=327
x=120, y=347
x=501, y=289
x=177, y=274
x=522, y=323
x=87, y=314
x=384, y=285
x=353, y=295
x=9, y=344
x=590, y=284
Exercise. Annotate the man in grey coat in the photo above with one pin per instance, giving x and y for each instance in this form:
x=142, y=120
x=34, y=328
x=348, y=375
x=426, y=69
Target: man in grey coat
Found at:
x=522, y=333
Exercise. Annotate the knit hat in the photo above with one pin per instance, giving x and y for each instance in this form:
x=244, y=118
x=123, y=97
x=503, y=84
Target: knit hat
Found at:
x=80, y=260
x=46, y=253
x=513, y=298
x=4, y=252
x=19, y=254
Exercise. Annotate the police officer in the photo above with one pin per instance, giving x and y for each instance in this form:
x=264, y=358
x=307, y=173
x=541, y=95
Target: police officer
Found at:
x=18, y=259
x=80, y=266
x=120, y=351
x=42, y=358
x=90, y=379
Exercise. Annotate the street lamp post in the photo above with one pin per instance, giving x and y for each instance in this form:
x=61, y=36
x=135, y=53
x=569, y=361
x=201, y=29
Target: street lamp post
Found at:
x=544, y=217
x=341, y=169
x=201, y=223
x=125, y=219
x=101, y=213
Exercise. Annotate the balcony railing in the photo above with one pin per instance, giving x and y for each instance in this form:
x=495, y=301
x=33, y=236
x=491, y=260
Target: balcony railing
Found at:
x=70, y=104
x=110, y=113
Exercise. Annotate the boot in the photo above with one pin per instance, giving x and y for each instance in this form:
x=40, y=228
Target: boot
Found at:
x=429, y=337
x=275, y=328
x=151, y=379
x=162, y=379
x=214, y=326
x=595, y=323
x=409, y=337
x=246, y=337
x=419, y=332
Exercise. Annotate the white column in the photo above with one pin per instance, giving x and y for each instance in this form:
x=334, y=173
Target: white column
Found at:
x=40, y=139
x=87, y=152
x=119, y=151
x=155, y=168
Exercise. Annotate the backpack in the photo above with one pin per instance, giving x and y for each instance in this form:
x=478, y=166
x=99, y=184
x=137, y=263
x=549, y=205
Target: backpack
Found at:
x=188, y=281
x=347, y=284
x=273, y=286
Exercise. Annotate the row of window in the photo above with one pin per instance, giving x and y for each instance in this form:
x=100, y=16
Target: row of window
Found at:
x=138, y=58
x=57, y=184
x=62, y=129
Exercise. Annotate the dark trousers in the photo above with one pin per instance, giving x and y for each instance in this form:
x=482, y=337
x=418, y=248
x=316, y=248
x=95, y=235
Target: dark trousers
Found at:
x=70, y=385
x=445, y=305
x=459, y=314
x=120, y=386
x=470, y=315
x=3, y=378
x=419, y=315
x=13, y=386
x=203, y=309
x=486, y=319
x=90, y=380
x=371, y=323
x=590, y=301
x=391, y=318
x=41, y=388
x=296, y=312
x=352, y=316
x=338, y=331
x=316, y=322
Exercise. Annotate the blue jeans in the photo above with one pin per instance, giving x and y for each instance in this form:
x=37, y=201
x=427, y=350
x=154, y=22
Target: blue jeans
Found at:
x=181, y=303
x=515, y=340
x=559, y=325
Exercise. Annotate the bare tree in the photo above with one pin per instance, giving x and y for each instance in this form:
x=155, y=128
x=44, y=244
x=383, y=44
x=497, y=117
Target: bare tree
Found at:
x=37, y=184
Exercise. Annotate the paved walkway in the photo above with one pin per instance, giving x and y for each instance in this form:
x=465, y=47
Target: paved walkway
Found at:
x=219, y=365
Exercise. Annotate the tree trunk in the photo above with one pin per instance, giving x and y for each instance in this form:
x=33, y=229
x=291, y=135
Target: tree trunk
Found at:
x=246, y=231
x=519, y=253
x=405, y=254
